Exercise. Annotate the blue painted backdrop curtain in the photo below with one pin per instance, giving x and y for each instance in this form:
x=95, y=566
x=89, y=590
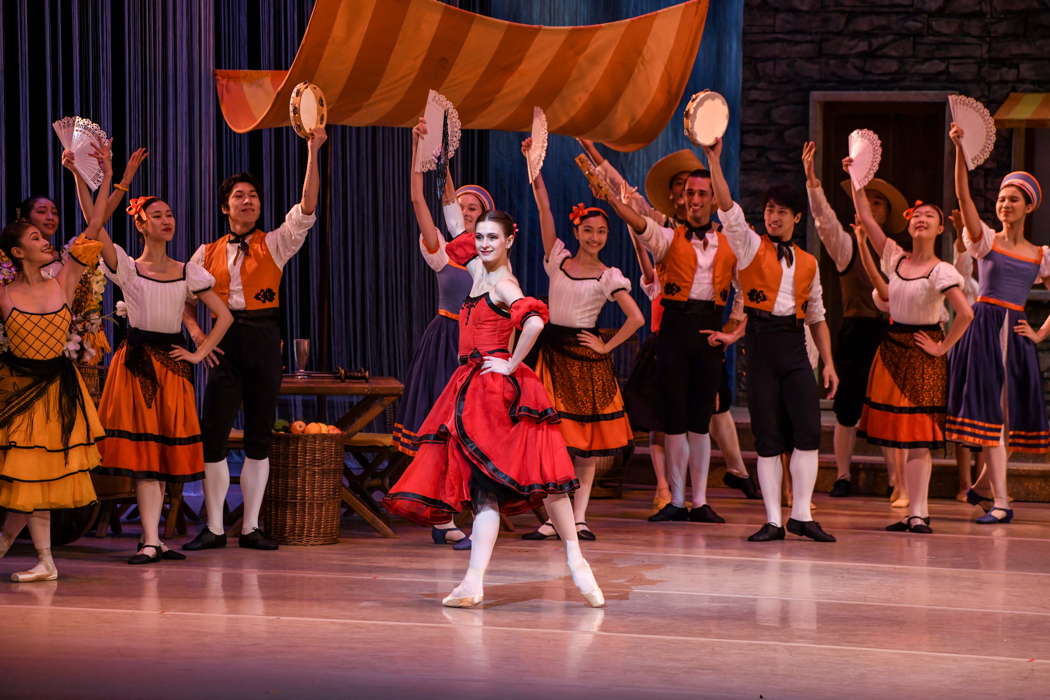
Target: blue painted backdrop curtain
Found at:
x=359, y=288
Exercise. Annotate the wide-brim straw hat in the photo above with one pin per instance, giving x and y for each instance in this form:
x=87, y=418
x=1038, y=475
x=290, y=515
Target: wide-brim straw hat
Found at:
x=658, y=179
x=895, y=221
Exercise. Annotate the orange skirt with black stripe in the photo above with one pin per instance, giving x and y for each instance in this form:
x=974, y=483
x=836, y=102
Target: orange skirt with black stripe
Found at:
x=582, y=387
x=907, y=393
x=152, y=429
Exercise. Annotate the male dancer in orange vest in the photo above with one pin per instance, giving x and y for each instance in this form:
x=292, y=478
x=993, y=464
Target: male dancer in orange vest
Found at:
x=247, y=264
x=695, y=265
x=781, y=291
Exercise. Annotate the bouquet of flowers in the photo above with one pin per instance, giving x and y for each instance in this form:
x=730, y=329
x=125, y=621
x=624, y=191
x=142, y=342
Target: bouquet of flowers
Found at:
x=87, y=341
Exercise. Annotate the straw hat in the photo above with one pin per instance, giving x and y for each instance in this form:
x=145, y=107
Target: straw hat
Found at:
x=895, y=222
x=658, y=179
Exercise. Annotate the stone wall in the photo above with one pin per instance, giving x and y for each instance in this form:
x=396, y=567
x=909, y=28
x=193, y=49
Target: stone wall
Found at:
x=982, y=48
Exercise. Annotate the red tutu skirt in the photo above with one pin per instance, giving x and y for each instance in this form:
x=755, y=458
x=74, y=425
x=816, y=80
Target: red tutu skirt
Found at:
x=486, y=432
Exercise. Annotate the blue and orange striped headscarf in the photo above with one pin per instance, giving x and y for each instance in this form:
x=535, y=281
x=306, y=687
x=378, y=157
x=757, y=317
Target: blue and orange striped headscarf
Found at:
x=1027, y=183
x=481, y=193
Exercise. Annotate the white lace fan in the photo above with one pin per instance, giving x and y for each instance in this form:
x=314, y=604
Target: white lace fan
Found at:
x=978, y=128
x=865, y=149
x=706, y=118
x=538, y=149
x=437, y=110
x=82, y=136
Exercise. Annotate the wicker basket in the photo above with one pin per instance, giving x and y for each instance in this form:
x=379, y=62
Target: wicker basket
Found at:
x=303, y=499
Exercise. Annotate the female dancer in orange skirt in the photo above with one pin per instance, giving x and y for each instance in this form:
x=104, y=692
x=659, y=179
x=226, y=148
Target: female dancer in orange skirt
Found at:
x=908, y=385
x=148, y=405
x=491, y=441
x=48, y=424
x=575, y=364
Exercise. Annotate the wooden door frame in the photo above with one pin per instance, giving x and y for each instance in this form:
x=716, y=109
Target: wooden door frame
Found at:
x=818, y=99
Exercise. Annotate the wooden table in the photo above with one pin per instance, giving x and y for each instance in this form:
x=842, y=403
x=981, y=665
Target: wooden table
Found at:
x=376, y=394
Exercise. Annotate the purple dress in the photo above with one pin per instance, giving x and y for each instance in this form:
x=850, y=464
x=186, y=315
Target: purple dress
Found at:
x=990, y=357
x=436, y=354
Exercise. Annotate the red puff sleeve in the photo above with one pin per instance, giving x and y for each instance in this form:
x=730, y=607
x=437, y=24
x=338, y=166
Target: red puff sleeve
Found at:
x=462, y=249
x=525, y=308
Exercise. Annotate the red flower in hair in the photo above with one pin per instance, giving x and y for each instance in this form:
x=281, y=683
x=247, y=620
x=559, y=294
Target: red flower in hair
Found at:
x=577, y=214
x=908, y=213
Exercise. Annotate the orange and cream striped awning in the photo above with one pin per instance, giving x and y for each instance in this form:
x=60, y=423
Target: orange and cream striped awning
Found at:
x=1024, y=110
x=617, y=83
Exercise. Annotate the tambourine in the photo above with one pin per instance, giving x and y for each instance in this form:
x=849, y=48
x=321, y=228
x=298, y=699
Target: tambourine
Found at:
x=865, y=149
x=978, y=128
x=307, y=109
x=706, y=118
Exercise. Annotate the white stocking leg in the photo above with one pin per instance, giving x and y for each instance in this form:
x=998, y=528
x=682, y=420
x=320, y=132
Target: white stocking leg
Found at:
x=699, y=465
x=216, y=484
x=804, y=467
x=254, y=475
x=770, y=476
x=676, y=451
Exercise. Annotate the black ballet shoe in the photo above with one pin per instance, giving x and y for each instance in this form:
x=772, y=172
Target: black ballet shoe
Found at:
x=746, y=485
x=841, y=488
x=143, y=558
x=537, y=535
x=585, y=533
x=989, y=519
x=257, y=539
x=166, y=554
x=919, y=525
x=668, y=513
x=976, y=499
x=440, y=535
x=705, y=514
x=768, y=533
x=205, y=539
x=810, y=529
x=901, y=526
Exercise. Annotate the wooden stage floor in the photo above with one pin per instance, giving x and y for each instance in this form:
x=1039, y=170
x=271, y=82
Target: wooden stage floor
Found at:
x=693, y=611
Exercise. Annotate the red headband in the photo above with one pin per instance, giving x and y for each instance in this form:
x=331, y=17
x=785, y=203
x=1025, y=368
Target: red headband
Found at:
x=580, y=212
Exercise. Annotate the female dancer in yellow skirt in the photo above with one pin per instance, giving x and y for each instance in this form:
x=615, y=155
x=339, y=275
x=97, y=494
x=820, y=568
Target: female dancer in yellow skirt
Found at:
x=574, y=362
x=48, y=424
x=908, y=384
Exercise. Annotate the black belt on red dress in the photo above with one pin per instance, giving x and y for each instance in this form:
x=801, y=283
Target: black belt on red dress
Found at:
x=479, y=355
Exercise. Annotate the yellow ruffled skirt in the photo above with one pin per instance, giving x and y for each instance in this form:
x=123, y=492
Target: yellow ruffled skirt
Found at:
x=36, y=471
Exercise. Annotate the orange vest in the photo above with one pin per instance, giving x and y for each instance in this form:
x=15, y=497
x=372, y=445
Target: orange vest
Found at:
x=760, y=281
x=678, y=268
x=260, y=275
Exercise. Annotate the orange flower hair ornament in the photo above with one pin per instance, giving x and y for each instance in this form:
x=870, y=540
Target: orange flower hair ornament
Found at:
x=136, y=205
x=910, y=212
x=580, y=212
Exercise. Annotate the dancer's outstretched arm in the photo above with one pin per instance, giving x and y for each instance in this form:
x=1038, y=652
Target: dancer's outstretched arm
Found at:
x=419, y=203
x=863, y=209
x=548, y=229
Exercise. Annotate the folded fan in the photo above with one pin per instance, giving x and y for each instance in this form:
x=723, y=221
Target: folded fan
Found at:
x=538, y=150
x=438, y=109
x=865, y=149
x=82, y=137
x=978, y=128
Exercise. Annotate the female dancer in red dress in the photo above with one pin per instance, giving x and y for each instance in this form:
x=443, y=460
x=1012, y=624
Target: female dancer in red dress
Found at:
x=491, y=441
